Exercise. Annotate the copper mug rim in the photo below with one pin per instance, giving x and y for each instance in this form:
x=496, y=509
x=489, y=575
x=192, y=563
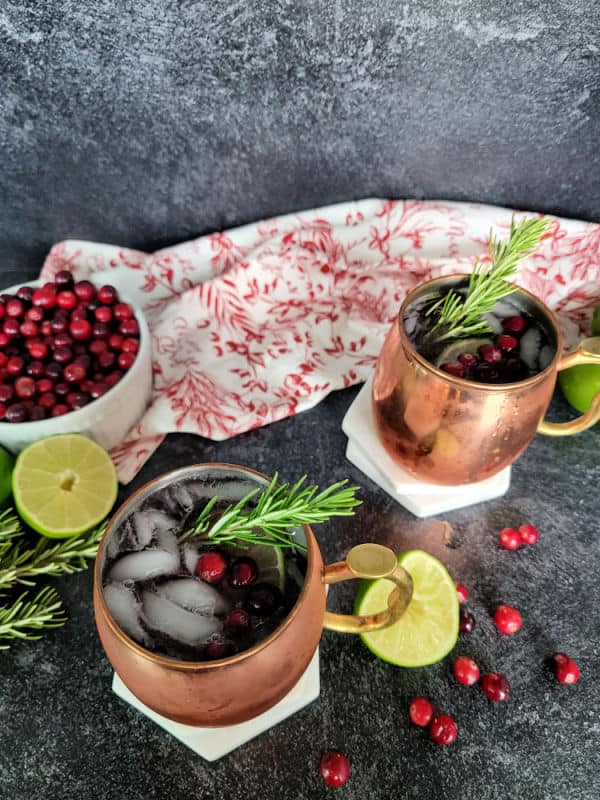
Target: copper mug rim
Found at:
x=173, y=663
x=484, y=387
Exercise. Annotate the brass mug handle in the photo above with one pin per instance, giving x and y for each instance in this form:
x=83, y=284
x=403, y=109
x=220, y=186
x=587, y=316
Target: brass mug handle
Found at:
x=588, y=352
x=369, y=561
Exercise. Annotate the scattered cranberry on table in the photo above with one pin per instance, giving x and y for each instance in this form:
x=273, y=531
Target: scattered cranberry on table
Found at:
x=495, y=687
x=466, y=621
x=335, y=768
x=443, y=729
x=421, y=711
x=529, y=534
x=462, y=592
x=565, y=669
x=466, y=671
x=510, y=538
x=507, y=619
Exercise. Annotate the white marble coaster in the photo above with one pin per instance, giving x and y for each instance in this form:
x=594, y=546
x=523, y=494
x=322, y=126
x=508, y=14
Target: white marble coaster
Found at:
x=214, y=743
x=422, y=499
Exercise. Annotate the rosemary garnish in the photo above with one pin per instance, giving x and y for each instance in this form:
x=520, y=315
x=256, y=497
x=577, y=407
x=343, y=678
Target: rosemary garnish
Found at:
x=268, y=516
x=461, y=317
x=23, y=618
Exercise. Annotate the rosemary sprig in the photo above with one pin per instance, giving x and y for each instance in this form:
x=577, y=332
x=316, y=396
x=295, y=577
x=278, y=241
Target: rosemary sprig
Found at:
x=267, y=517
x=461, y=317
x=24, y=617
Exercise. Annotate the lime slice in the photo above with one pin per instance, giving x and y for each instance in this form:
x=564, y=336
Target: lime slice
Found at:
x=452, y=351
x=270, y=563
x=64, y=485
x=7, y=461
x=428, y=630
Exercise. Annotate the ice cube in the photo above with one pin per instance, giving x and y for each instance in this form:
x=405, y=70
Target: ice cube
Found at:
x=493, y=322
x=546, y=355
x=166, y=540
x=125, y=608
x=504, y=308
x=194, y=595
x=185, y=627
x=529, y=348
x=149, y=523
x=191, y=554
x=144, y=565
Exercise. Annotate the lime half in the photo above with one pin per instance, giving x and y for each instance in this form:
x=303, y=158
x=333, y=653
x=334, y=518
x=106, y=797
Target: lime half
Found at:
x=270, y=563
x=64, y=485
x=428, y=630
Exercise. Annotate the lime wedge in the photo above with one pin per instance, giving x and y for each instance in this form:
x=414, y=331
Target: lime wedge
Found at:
x=452, y=351
x=428, y=630
x=64, y=485
x=270, y=563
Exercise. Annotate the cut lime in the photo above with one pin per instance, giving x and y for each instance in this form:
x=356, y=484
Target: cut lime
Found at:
x=270, y=563
x=452, y=351
x=428, y=630
x=7, y=462
x=64, y=485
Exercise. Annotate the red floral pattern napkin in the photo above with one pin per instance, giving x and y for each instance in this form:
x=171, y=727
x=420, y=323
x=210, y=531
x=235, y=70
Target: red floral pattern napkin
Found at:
x=258, y=323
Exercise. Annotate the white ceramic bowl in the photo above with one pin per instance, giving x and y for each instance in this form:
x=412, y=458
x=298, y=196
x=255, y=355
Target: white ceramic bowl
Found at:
x=106, y=419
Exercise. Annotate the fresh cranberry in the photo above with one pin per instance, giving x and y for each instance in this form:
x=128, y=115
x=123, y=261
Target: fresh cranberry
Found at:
x=62, y=389
x=125, y=361
x=529, y=534
x=335, y=768
x=25, y=388
x=38, y=350
x=74, y=373
x=98, y=389
x=466, y=671
x=211, y=566
x=44, y=385
x=59, y=409
x=495, y=687
x=263, y=599
x=66, y=300
x=84, y=359
x=103, y=314
x=16, y=413
x=49, y=287
x=44, y=298
x=2, y=410
x=122, y=311
x=443, y=730
x=100, y=330
x=218, y=647
x=11, y=327
x=507, y=619
x=15, y=366
x=25, y=293
x=565, y=669
x=47, y=400
x=63, y=355
x=7, y=393
x=467, y=621
x=421, y=711
x=106, y=360
x=490, y=354
x=506, y=342
x=514, y=324
x=129, y=327
x=130, y=345
x=4, y=339
x=510, y=538
x=15, y=308
x=243, y=571
x=98, y=346
x=62, y=340
x=80, y=329
x=3, y=359
x=46, y=327
x=80, y=312
x=462, y=592
x=113, y=377
x=59, y=325
x=468, y=359
x=514, y=370
x=34, y=314
x=37, y=413
x=35, y=369
x=84, y=290
x=54, y=370
x=115, y=340
x=237, y=621
x=454, y=368
x=78, y=399
x=107, y=295
x=28, y=329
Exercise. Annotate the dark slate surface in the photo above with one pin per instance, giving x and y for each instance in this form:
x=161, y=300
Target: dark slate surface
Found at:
x=65, y=736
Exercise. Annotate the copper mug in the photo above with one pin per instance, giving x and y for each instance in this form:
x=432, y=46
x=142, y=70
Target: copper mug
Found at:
x=238, y=688
x=451, y=431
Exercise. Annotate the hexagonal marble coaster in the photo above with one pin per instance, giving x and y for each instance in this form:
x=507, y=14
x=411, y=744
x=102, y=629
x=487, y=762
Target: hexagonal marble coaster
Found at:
x=214, y=743
x=422, y=499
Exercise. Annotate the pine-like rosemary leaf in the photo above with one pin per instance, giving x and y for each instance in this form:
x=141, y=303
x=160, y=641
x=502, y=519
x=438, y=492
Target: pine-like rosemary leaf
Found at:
x=23, y=618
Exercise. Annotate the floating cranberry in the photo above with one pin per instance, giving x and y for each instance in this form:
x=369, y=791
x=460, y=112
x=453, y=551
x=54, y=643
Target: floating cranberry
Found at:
x=84, y=290
x=510, y=538
x=462, y=592
x=237, y=621
x=466, y=671
x=74, y=373
x=129, y=327
x=490, y=354
x=565, y=669
x=122, y=311
x=468, y=359
x=80, y=329
x=25, y=388
x=495, y=687
x=107, y=295
x=335, y=768
x=514, y=324
x=263, y=599
x=454, y=368
x=529, y=534
x=218, y=647
x=420, y=711
x=506, y=342
x=211, y=566
x=125, y=360
x=243, y=570
x=443, y=729
x=466, y=621
x=17, y=412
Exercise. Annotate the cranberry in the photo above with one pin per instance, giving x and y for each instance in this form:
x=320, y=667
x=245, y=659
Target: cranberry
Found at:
x=98, y=346
x=81, y=312
x=98, y=389
x=66, y=300
x=495, y=687
x=107, y=295
x=514, y=370
x=38, y=350
x=486, y=373
x=15, y=366
x=125, y=361
x=130, y=345
x=106, y=360
x=462, y=592
x=103, y=314
x=2, y=410
x=35, y=369
x=62, y=389
x=11, y=327
x=80, y=329
x=16, y=413
x=15, y=308
x=506, y=343
x=3, y=359
x=529, y=534
x=62, y=340
x=84, y=290
x=565, y=669
x=6, y=393
x=47, y=400
x=63, y=355
x=100, y=330
x=78, y=399
x=218, y=647
x=28, y=329
x=454, y=368
x=443, y=729
x=421, y=711
x=59, y=325
x=129, y=327
x=468, y=359
x=46, y=327
x=115, y=340
x=54, y=370
x=514, y=324
x=467, y=621
x=25, y=293
x=74, y=373
x=113, y=377
x=211, y=566
x=25, y=388
x=263, y=599
x=466, y=671
x=122, y=311
x=44, y=385
x=490, y=354
x=37, y=413
x=44, y=298
x=335, y=768
x=34, y=314
x=238, y=621
x=507, y=619
x=59, y=409
x=4, y=339
x=84, y=359
x=243, y=571
x=510, y=538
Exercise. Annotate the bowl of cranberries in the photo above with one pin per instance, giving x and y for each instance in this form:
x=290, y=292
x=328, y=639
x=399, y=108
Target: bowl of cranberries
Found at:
x=75, y=357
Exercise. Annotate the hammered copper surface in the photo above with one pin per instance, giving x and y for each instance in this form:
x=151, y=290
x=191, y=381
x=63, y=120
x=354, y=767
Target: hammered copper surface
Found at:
x=447, y=430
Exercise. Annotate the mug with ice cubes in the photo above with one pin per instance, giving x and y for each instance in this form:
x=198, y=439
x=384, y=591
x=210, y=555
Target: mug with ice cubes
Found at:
x=215, y=636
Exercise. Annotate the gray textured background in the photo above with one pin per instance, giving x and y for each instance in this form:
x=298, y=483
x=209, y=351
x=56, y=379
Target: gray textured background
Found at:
x=143, y=123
